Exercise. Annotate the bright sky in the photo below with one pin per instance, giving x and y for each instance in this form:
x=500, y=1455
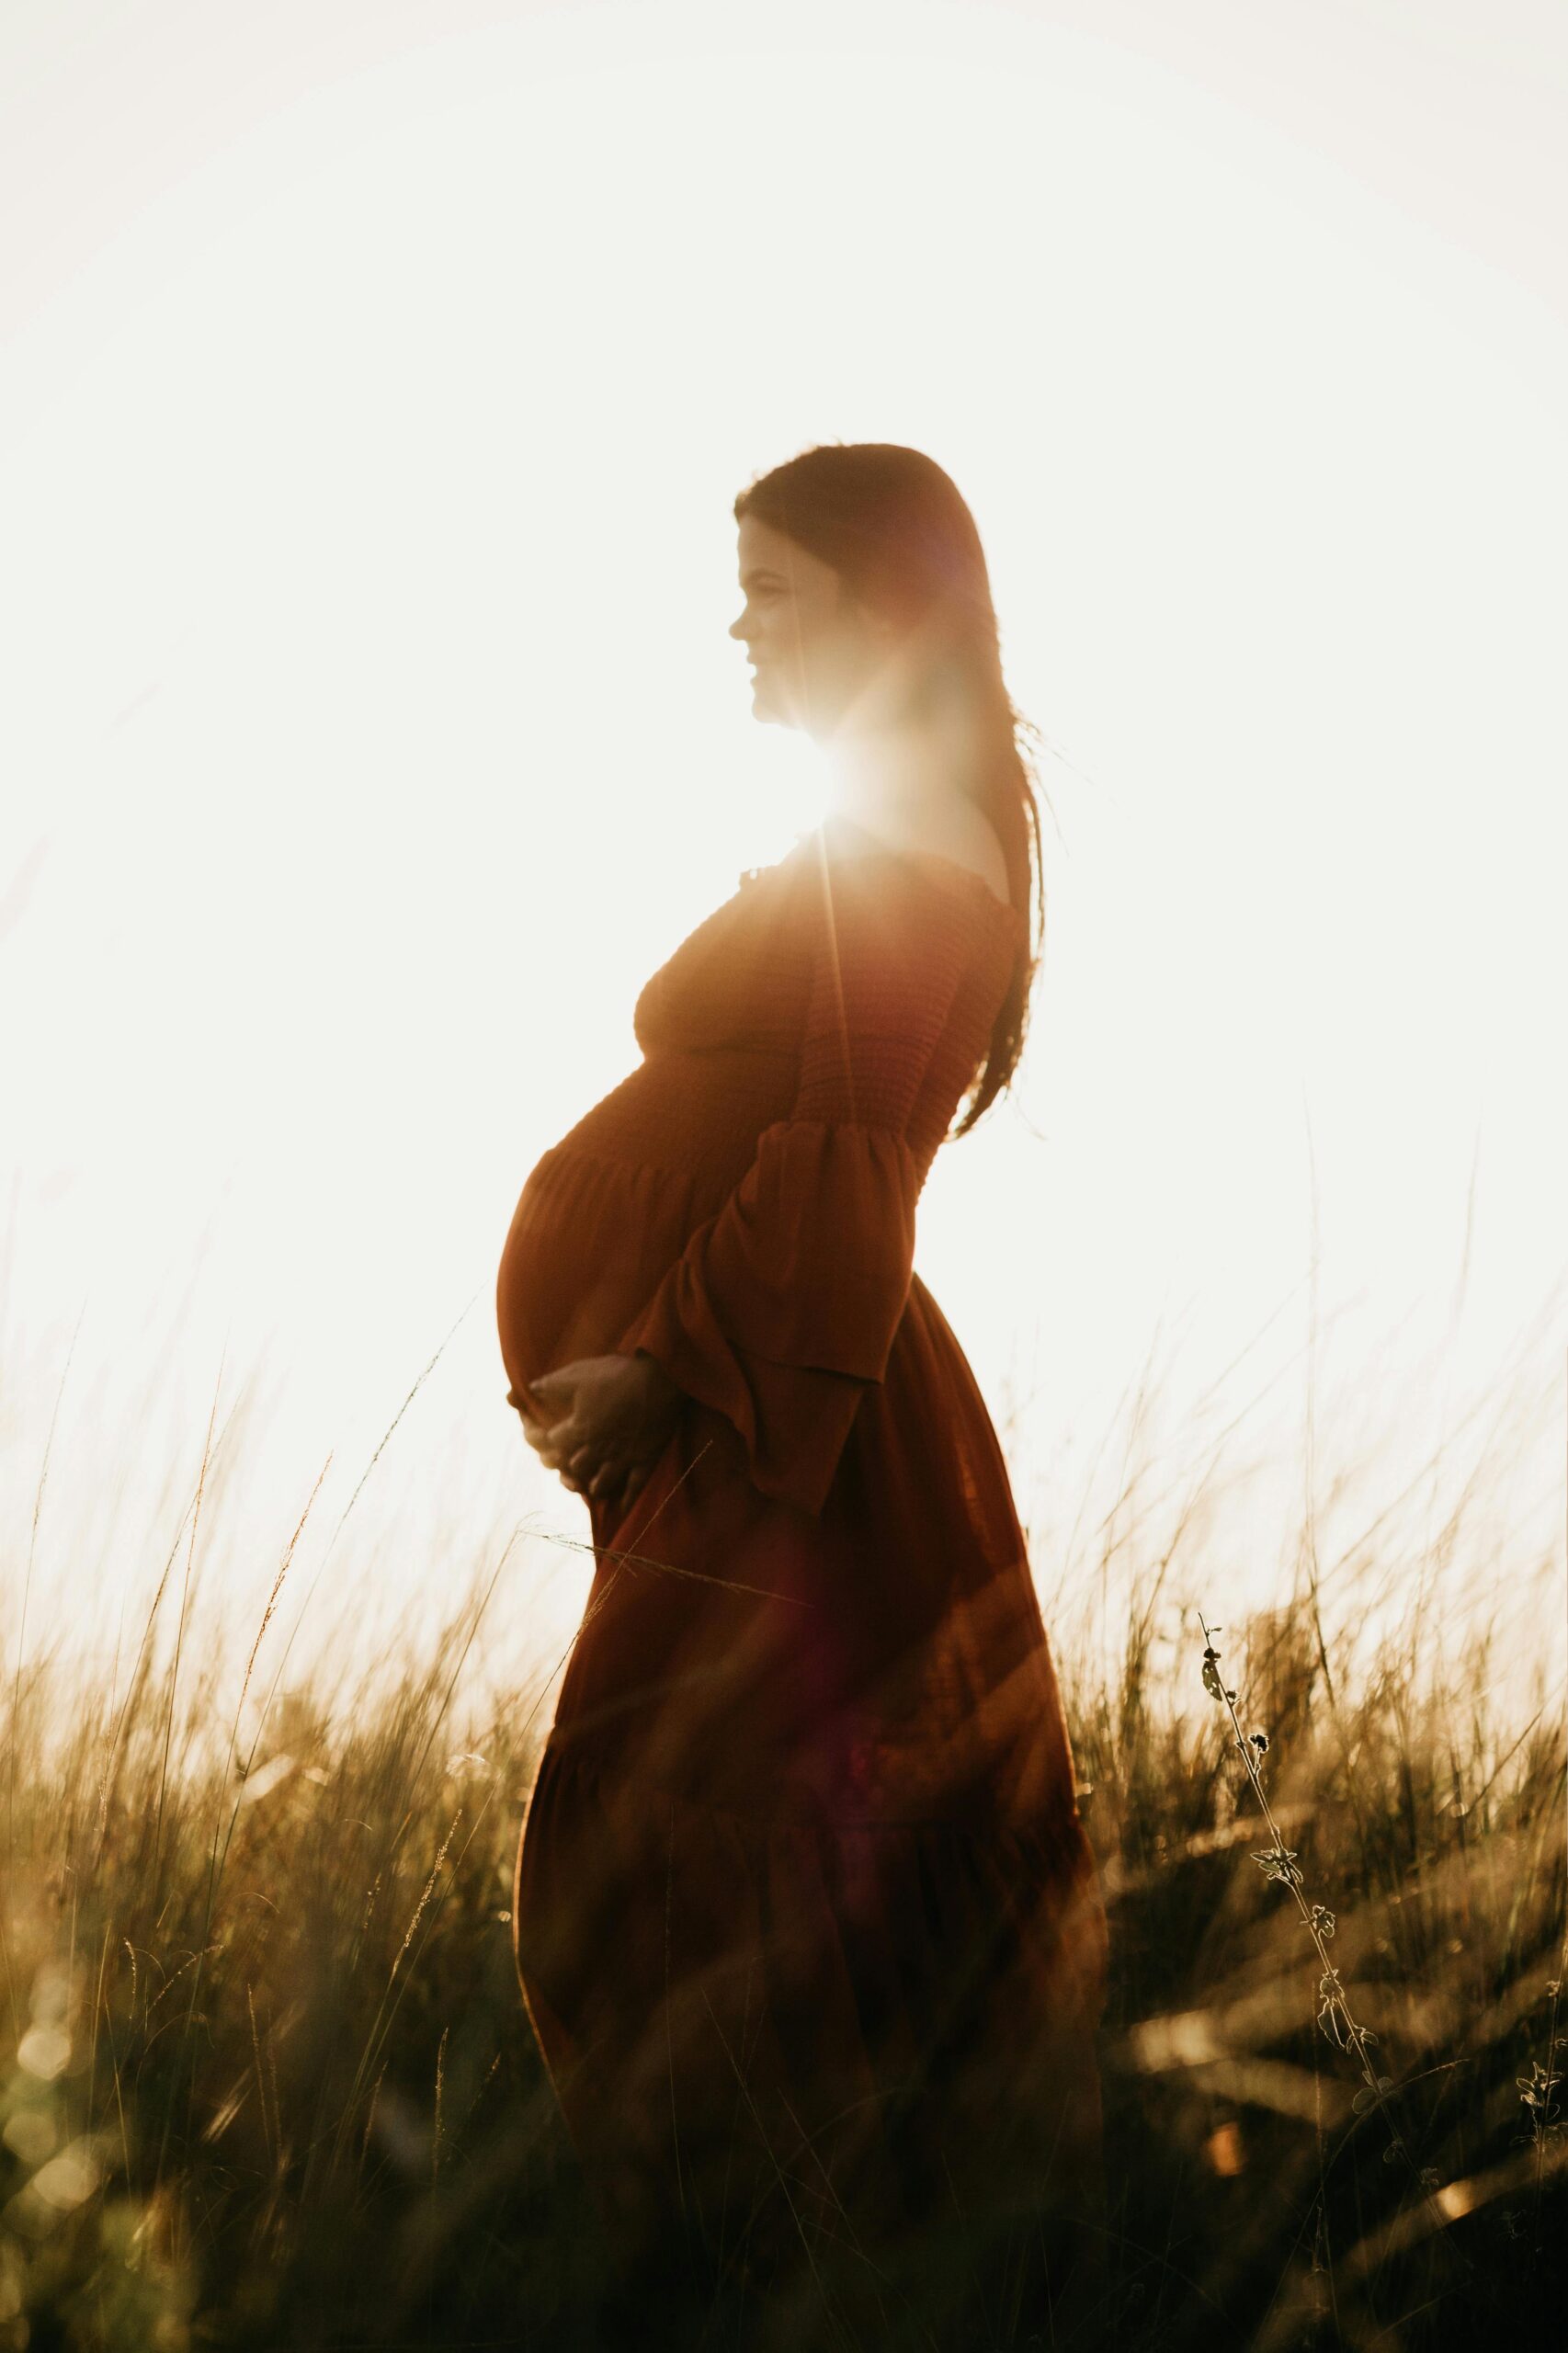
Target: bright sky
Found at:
x=376, y=385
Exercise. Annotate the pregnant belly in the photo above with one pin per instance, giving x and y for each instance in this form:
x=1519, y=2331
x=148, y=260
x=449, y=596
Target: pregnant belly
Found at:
x=588, y=1244
x=597, y=1229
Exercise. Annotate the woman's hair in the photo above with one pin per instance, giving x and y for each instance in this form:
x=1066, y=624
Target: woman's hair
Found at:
x=894, y=526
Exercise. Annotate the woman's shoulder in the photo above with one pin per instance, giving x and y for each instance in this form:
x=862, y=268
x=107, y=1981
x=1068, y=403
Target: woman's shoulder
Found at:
x=956, y=831
x=953, y=848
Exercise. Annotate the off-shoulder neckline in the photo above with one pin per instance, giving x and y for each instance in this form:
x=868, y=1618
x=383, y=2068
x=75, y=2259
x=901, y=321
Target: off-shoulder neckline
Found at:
x=982, y=896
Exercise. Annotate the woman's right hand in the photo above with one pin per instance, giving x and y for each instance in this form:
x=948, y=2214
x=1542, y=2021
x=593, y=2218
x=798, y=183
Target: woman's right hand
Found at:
x=602, y=1424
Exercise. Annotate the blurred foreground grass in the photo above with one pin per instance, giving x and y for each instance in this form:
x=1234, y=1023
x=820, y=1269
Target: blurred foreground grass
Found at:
x=266, y=2080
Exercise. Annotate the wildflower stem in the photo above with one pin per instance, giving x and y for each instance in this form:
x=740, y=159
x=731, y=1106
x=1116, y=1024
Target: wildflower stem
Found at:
x=1335, y=2016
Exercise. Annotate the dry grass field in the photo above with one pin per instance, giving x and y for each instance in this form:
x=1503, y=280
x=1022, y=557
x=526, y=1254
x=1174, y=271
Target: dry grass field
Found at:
x=266, y=2080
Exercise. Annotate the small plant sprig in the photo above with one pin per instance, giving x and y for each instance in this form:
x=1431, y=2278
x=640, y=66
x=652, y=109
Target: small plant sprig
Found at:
x=1538, y=2093
x=1280, y=1862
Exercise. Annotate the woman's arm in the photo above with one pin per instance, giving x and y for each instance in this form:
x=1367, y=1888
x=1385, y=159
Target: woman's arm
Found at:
x=783, y=1306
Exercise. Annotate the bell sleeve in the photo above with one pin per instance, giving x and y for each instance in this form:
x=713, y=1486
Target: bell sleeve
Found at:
x=782, y=1307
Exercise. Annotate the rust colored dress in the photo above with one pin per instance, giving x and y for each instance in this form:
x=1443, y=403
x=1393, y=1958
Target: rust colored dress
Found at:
x=806, y=1924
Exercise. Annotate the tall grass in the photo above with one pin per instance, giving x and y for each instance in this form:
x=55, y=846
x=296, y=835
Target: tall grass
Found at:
x=266, y=2080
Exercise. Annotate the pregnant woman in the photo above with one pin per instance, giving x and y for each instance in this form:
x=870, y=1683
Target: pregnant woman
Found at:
x=806, y=1923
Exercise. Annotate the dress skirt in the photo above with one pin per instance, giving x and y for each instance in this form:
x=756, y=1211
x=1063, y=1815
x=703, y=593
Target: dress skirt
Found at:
x=806, y=1924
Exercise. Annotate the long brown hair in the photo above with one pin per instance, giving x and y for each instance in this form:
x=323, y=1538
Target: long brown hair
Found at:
x=896, y=528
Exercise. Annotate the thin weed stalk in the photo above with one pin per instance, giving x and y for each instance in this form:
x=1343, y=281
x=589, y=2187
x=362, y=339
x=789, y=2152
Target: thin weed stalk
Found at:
x=1280, y=1864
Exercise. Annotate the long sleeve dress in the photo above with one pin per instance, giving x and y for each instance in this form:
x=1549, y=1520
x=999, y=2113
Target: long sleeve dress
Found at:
x=805, y=1921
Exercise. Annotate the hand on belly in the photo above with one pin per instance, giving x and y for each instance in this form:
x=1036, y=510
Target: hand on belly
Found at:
x=602, y=1422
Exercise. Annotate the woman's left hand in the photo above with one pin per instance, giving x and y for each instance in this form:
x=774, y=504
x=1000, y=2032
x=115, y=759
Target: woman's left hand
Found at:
x=611, y=1419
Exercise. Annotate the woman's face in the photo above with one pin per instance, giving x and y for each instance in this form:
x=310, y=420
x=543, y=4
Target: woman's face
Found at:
x=818, y=656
